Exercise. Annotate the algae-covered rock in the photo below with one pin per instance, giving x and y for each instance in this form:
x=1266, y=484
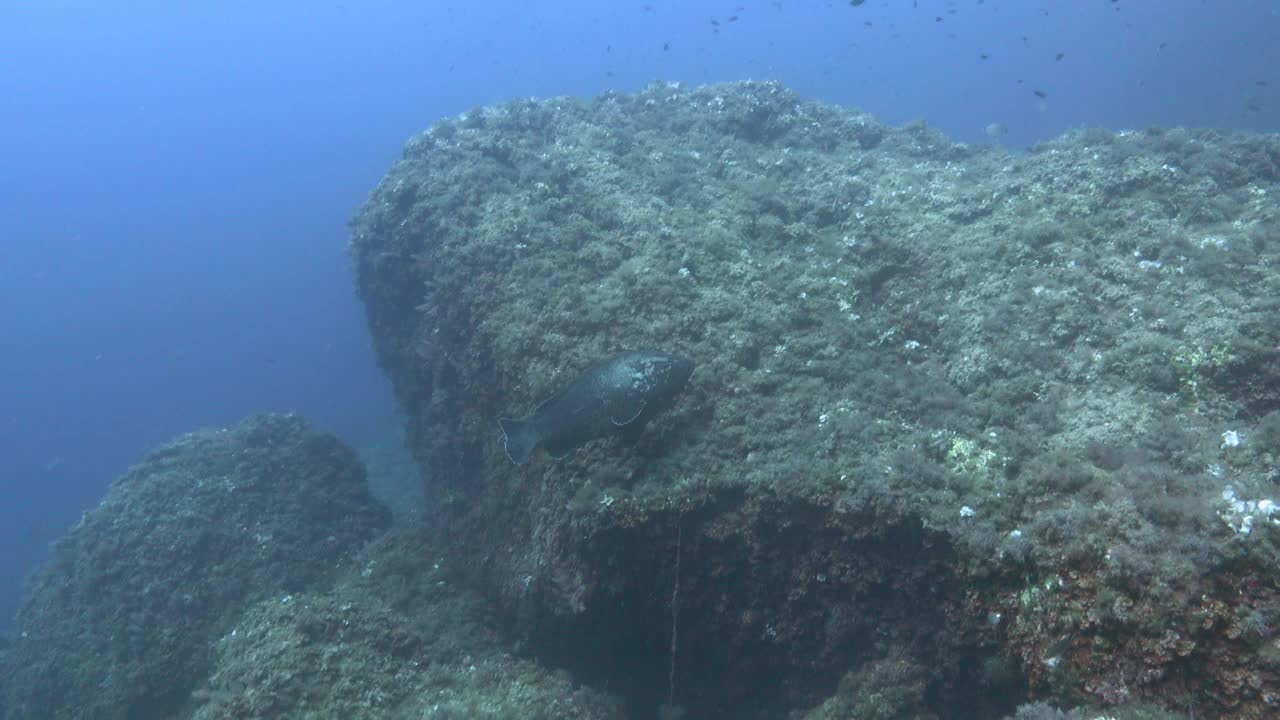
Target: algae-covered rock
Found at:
x=119, y=622
x=952, y=405
x=396, y=640
x=889, y=689
x=1132, y=711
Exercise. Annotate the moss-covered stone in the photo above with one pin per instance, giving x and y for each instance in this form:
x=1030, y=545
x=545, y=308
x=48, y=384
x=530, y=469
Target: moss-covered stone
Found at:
x=890, y=689
x=930, y=377
x=119, y=622
x=397, y=639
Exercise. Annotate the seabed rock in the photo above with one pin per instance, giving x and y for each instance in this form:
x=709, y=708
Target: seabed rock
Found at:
x=119, y=621
x=955, y=410
x=248, y=573
x=397, y=638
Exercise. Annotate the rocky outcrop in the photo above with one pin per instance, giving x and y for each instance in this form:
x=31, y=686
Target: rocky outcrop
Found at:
x=120, y=621
x=1003, y=421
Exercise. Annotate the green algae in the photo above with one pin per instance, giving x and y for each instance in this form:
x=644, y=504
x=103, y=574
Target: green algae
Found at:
x=1038, y=356
x=119, y=621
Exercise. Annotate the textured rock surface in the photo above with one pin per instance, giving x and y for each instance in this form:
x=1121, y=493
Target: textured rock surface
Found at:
x=245, y=573
x=119, y=622
x=963, y=411
x=397, y=639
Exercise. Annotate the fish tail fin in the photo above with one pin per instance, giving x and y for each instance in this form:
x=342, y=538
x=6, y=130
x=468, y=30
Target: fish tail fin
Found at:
x=519, y=439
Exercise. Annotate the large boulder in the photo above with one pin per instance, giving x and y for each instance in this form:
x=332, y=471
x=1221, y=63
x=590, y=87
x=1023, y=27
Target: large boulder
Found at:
x=121, y=621
x=397, y=639
x=1006, y=421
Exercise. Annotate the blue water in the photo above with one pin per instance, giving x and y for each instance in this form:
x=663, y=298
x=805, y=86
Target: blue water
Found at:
x=175, y=177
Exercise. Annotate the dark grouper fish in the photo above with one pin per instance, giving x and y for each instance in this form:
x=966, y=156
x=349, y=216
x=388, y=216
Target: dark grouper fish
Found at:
x=616, y=396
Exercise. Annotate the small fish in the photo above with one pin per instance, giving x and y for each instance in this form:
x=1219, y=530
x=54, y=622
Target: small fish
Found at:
x=1040, y=94
x=997, y=130
x=616, y=396
x=1059, y=57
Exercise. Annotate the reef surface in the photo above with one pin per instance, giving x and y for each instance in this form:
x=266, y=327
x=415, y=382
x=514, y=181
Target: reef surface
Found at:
x=248, y=573
x=968, y=428
x=119, y=621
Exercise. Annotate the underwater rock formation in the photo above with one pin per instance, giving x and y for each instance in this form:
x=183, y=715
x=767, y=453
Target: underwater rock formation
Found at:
x=1004, y=420
x=246, y=573
x=399, y=638
x=120, y=620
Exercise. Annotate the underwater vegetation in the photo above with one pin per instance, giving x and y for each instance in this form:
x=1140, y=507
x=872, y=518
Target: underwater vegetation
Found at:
x=248, y=573
x=397, y=638
x=966, y=434
x=119, y=621
x=954, y=409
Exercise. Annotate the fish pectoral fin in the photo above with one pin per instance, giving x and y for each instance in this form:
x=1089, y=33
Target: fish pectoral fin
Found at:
x=519, y=439
x=631, y=419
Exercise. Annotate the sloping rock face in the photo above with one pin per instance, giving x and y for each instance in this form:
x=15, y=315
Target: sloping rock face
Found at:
x=120, y=622
x=1003, y=427
x=397, y=639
